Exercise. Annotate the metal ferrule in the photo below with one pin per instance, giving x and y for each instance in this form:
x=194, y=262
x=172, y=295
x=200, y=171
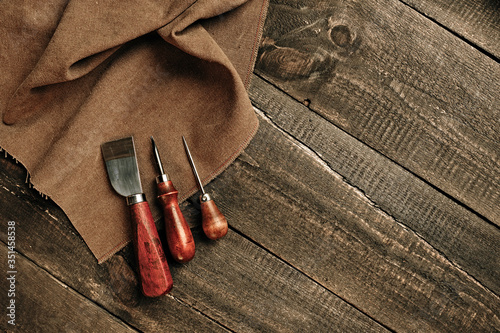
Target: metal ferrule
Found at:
x=206, y=197
x=135, y=198
x=162, y=178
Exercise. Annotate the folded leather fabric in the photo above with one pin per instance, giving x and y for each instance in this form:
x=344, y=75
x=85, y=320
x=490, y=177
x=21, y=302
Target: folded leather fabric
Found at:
x=75, y=74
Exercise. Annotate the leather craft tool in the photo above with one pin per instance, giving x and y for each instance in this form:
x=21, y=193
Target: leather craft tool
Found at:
x=123, y=172
x=213, y=222
x=179, y=238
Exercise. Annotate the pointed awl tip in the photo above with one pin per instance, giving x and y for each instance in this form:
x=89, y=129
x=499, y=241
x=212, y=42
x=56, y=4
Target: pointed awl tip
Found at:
x=193, y=167
x=157, y=156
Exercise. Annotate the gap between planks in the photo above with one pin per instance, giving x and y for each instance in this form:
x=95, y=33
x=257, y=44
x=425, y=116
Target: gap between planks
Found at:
x=455, y=259
x=327, y=167
x=464, y=35
x=21, y=257
x=308, y=276
x=394, y=79
x=185, y=303
x=434, y=187
x=454, y=33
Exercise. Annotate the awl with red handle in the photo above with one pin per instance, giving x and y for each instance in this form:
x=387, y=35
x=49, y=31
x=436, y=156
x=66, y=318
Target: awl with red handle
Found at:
x=179, y=238
x=123, y=172
x=213, y=222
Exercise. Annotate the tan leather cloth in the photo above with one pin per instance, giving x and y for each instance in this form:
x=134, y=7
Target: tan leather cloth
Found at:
x=75, y=74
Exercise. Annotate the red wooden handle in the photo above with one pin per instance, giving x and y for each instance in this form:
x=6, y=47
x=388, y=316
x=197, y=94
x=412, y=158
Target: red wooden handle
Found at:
x=179, y=238
x=213, y=222
x=153, y=267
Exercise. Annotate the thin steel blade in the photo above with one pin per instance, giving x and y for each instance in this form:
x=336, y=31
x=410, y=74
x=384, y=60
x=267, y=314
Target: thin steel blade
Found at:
x=121, y=164
x=190, y=158
x=157, y=157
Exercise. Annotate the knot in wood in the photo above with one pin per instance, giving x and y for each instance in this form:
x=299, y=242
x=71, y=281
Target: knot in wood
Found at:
x=341, y=35
x=289, y=63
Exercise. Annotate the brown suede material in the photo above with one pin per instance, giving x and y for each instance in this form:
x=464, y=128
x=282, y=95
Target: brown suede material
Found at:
x=75, y=74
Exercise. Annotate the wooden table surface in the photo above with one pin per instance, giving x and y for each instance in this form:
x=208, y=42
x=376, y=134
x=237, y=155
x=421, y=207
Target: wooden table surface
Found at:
x=367, y=201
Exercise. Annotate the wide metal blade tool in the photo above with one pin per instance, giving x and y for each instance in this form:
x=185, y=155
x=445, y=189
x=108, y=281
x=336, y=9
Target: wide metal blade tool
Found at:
x=123, y=172
x=179, y=238
x=213, y=222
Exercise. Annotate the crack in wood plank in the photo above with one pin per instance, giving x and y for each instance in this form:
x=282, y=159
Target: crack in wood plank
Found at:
x=475, y=22
x=328, y=167
x=236, y=303
x=85, y=313
x=324, y=239
x=448, y=227
x=424, y=93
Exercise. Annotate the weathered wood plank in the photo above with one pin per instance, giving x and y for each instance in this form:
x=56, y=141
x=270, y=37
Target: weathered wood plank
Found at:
x=289, y=202
x=248, y=289
x=462, y=236
x=478, y=21
x=44, y=304
x=397, y=82
x=230, y=284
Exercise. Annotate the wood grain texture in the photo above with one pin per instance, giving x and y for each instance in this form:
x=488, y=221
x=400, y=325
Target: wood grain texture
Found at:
x=44, y=304
x=123, y=280
x=464, y=238
x=330, y=231
x=248, y=289
x=367, y=201
x=231, y=284
x=478, y=21
x=399, y=83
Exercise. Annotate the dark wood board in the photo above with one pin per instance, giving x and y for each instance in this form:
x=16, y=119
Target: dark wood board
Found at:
x=478, y=21
x=460, y=235
x=367, y=201
x=230, y=285
x=397, y=82
x=248, y=289
x=44, y=304
x=294, y=205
